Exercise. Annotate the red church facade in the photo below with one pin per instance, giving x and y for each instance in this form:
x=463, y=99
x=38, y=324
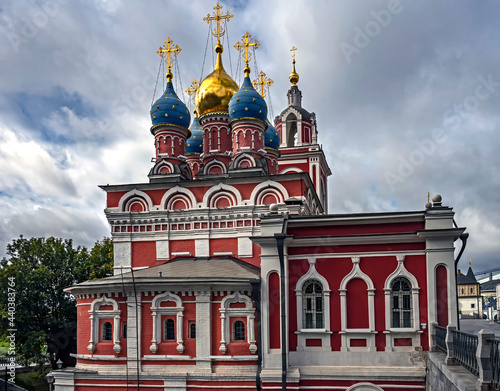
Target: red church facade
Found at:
x=230, y=273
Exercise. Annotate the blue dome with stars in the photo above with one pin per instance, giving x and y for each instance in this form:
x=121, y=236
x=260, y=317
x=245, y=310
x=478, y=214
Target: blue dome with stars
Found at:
x=247, y=103
x=194, y=145
x=271, y=137
x=170, y=110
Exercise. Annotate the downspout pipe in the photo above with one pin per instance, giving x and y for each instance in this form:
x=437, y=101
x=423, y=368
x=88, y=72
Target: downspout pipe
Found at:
x=463, y=238
x=256, y=284
x=280, y=242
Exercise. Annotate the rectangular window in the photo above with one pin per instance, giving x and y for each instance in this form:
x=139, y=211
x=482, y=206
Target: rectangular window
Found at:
x=472, y=306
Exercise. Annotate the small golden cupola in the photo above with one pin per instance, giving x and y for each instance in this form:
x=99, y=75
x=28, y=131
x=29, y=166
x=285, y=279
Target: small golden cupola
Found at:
x=217, y=89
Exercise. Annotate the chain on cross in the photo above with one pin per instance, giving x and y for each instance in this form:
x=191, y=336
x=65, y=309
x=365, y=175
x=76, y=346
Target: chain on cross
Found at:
x=261, y=82
x=169, y=48
x=191, y=91
x=246, y=44
x=217, y=17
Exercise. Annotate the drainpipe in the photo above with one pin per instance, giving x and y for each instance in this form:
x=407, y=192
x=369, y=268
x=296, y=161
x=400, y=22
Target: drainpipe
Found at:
x=463, y=238
x=280, y=241
x=256, y=297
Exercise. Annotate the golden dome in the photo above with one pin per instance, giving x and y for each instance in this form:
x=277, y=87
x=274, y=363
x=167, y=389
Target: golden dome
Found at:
x=216, y=89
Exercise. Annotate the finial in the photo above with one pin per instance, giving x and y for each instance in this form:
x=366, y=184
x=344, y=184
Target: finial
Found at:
x=218, y=29
x=470, y=262
x=261, y=82
x=247, y=43
x=170, y=49
x=191, y=91
x=294, y=76
x=428, y=194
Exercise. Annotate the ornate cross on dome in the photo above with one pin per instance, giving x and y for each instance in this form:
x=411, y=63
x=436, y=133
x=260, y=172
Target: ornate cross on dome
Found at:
x=293, y=49
x=294, y=76
x=247, y=43
x=218, y=16
x=261, y=82
x=191, y=91
x=169, y=49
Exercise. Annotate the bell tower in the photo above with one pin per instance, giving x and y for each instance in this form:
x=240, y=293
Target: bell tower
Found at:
x=300, y=151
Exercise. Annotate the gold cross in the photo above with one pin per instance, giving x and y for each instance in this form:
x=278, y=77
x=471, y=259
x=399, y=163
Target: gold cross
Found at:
x=191, y=91
x=261, y=82
x=218, y=16
x=293, y=49
x=247, y=43
x=169, y=48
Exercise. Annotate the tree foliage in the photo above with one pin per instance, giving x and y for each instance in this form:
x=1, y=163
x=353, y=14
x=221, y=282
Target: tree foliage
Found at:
x=45, y=316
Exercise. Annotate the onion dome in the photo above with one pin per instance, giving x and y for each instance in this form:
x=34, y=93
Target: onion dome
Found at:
x=247, y=103
x=271, y=137
x=194, y=145
x=170, y=110
x=216, y=90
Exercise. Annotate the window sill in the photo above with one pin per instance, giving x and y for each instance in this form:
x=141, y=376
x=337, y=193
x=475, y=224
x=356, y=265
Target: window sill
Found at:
x=402, y=330
x=313, y=331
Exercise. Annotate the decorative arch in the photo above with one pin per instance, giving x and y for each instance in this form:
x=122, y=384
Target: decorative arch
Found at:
x=95, y=313
x=214, y=167
x=176, y=194
x=413, y=332
x=292, y=130
x=291, y=170
x=135, y=196
x=163, y=167
x=368, y=333
x=268, y=187
x=365, y=387
x=221, y=190
x=302, y=333
x=242, y=158
x=157, y=311
x=226, y=312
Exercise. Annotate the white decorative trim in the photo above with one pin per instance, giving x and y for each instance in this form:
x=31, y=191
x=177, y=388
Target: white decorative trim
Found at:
x=277, y=189
x=290, y=169
x=96, y=314
x=242, y=157
x=412, y=332
x=173, y=195
x=157, y=311
x=369, y=332
x=364, y=387
x=323, y=334
x=226, y=190
x=134, y=195
x=215, y=162
x=226, y=313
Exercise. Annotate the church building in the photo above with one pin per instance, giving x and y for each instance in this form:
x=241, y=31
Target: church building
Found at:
x=229, y=273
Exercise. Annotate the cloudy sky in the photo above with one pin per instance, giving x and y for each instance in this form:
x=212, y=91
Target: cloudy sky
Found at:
x=406, y=95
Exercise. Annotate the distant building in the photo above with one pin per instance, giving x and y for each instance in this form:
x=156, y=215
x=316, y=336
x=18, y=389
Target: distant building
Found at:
x=490, y=298
x=470, y=302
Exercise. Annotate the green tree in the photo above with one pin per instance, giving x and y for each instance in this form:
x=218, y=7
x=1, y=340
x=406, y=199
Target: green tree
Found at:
x=45, y=316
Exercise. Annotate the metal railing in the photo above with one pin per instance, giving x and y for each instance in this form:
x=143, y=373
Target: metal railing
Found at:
x=464, y=350
x=495, y=362
x=441, y=338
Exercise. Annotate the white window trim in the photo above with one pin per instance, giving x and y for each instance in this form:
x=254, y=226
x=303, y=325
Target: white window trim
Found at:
x=369, y=332
x=157, y=311
x=95, y=314
x=324, y=333
x=403, y=332
x=225, y=315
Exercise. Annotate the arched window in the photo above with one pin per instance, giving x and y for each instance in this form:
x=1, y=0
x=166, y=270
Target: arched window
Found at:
x=401, y=303
x=192, y=330
x=238, y=331
x=169, y=330
x=124, y=331
x=312, y=305
x=106, y=332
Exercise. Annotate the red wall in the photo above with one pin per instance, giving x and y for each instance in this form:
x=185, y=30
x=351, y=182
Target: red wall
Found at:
x=143, y=254
x=274, y=311
x=442, y=295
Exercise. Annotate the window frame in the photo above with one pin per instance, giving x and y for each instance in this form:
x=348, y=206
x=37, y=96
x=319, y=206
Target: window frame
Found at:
x=402, y=300
x=310, y=306
x=169, y=330
x=238, y=335
x=106, y=332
